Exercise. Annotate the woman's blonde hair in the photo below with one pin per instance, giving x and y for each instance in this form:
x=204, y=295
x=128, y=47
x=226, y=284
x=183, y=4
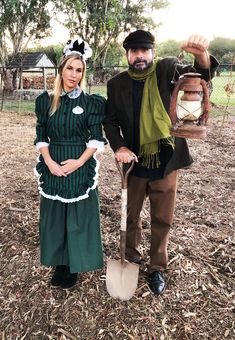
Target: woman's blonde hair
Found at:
x=58, y=85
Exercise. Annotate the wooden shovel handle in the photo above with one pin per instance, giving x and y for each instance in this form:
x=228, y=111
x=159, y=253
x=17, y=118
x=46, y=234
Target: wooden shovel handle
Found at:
x=124, y=178
x=124, y=175
x=122, y=245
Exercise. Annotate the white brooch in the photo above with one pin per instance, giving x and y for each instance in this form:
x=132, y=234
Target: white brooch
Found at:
x=78, y=110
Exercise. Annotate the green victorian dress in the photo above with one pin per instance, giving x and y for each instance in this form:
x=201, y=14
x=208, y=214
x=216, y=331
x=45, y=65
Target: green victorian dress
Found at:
x=69, y=222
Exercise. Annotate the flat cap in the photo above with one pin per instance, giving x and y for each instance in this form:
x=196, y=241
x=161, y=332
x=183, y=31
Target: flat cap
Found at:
x=138, y=39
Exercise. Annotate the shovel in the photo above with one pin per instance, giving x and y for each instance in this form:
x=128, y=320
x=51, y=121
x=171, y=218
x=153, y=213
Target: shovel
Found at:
x=121, y=275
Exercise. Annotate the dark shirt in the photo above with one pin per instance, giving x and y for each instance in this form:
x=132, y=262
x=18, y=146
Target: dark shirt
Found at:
x=165, y=151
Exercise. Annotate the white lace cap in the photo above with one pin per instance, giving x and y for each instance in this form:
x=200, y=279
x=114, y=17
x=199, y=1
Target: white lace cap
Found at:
x=78, y=46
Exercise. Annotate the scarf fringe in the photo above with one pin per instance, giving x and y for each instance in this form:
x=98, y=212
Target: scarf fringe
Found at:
x=151, y=161
x=150, y=152
x=168, y=141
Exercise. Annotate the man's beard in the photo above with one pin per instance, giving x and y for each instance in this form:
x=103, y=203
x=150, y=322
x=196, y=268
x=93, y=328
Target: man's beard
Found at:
x=140, y=67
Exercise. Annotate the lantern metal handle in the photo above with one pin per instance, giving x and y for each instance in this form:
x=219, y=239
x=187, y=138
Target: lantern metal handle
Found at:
x=173, y=103
x=204, y=117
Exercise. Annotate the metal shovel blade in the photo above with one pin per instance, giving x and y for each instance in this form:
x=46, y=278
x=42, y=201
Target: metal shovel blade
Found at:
x=121, y=279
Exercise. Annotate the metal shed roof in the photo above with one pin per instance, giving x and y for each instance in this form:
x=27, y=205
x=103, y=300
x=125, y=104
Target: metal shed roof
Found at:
x=30, y=60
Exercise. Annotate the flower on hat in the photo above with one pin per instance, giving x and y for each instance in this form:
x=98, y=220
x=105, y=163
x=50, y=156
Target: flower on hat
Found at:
x=78, y=46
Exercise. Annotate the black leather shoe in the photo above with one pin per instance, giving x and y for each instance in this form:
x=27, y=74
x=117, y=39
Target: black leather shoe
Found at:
x=58, y=275
x=69, y=280
x=157, y=282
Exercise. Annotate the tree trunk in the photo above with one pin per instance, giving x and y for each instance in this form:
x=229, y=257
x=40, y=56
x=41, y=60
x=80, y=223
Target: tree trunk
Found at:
x=7, y=77
x=15, y=73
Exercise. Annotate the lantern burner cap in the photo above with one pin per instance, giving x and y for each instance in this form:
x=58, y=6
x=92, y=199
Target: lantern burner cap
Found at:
x=190, y=75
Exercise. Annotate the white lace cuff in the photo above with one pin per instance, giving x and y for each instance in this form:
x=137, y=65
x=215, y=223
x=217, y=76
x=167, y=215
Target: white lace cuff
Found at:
x=41, y=145
x=95, y=144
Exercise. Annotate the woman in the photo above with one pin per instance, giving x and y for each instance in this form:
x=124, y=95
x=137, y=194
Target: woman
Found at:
x=69, y=132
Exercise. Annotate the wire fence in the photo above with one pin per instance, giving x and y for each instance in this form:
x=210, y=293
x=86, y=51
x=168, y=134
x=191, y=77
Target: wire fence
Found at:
x=222, y=96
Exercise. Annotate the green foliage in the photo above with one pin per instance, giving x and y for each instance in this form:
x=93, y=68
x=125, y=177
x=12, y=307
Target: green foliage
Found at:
x=228, y=58
x=168, y=48
x=54, y=52
x=58, y=50
x=219, y=95
x=22, y=20
x=221, y=47
x=101, y=22
x=114, y=54
x=172, y=48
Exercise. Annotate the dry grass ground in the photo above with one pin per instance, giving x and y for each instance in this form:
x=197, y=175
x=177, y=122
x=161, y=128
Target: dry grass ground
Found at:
x=199, y=300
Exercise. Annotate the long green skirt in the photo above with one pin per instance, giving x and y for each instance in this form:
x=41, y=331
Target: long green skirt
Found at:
x=70, y=234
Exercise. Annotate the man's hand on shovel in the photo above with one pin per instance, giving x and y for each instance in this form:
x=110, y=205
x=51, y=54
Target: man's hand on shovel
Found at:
x=125, y=155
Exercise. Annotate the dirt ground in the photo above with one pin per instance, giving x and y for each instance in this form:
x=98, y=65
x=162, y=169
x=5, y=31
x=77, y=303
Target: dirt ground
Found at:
x=199, y=299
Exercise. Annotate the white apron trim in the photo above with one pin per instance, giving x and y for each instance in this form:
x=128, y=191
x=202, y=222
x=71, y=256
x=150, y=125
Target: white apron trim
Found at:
x=70, y=200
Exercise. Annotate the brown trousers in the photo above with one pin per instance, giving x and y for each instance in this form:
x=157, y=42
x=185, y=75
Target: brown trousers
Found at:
x=162, y=196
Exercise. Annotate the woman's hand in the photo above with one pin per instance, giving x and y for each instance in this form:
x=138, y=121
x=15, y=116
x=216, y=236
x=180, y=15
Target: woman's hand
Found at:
x=55, y=168
x=70, y=165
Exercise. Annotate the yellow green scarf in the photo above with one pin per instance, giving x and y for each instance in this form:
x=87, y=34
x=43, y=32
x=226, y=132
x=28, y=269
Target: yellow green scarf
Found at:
x=155, y=123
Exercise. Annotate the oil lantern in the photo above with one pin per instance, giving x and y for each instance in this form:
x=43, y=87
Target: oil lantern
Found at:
x=189, y=113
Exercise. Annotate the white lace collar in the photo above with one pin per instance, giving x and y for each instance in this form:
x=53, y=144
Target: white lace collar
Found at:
x=75, y=93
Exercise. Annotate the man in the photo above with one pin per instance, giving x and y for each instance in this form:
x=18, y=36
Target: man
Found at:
x=137, y=126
